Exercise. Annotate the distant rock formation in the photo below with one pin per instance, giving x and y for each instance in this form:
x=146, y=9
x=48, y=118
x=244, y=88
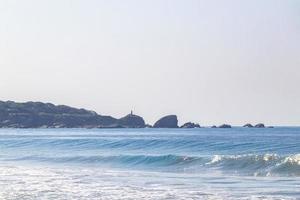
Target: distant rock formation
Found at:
x=225, y=126
x=248, y=126
x=190, y=125
x=214, y=126
x=47, y=115
x=169, y=121
x=260, y=125
x=132, y=121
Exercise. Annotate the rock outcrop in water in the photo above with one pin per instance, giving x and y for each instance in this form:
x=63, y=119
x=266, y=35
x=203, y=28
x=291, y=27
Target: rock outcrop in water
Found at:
x=169, y=121
x=47, y=115
x=225, y=126
x=260, y=125
x=190, y=125
x=248, y=126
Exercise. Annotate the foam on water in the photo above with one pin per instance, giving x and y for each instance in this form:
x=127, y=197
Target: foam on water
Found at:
x=259, y=165
x=24, y=182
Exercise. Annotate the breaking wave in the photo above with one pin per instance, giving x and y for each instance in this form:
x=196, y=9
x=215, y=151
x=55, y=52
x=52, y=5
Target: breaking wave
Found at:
x=259, y=165
x=255, y=165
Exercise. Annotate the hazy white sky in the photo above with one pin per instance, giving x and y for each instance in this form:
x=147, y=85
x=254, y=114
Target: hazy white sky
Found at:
x=207, y=61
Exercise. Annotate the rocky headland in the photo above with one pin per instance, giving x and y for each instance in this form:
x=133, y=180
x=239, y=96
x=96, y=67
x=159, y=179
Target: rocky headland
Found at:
x=47, y=115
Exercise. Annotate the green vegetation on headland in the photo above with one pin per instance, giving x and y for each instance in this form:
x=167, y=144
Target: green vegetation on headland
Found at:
x=47, y=115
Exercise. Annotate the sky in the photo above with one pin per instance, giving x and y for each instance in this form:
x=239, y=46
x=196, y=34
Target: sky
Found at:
x=208, y=61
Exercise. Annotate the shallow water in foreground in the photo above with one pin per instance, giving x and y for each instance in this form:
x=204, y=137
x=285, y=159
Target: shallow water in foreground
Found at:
x=236, y=163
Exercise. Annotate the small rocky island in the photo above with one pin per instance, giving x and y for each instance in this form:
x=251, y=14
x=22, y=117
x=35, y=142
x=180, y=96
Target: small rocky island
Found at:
x=260, y=125
x=48, y=115
x=225, y=126
x=169, y=121
x=190, y=125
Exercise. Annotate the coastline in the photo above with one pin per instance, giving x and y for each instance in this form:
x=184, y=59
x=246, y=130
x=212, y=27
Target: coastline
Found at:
x=47, y=115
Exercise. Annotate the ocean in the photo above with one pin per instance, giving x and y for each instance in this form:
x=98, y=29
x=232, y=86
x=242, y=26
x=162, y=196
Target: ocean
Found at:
x=237, y=163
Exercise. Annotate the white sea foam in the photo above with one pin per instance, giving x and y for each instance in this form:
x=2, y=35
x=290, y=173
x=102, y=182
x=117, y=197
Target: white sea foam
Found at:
x=27, y=182
x=258, y=165
x=47, y=183
x=294, y=159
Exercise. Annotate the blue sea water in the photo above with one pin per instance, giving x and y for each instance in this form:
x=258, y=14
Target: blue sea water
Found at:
x=237, y=163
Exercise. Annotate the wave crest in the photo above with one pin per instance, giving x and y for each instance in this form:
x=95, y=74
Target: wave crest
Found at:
x=257, y=165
